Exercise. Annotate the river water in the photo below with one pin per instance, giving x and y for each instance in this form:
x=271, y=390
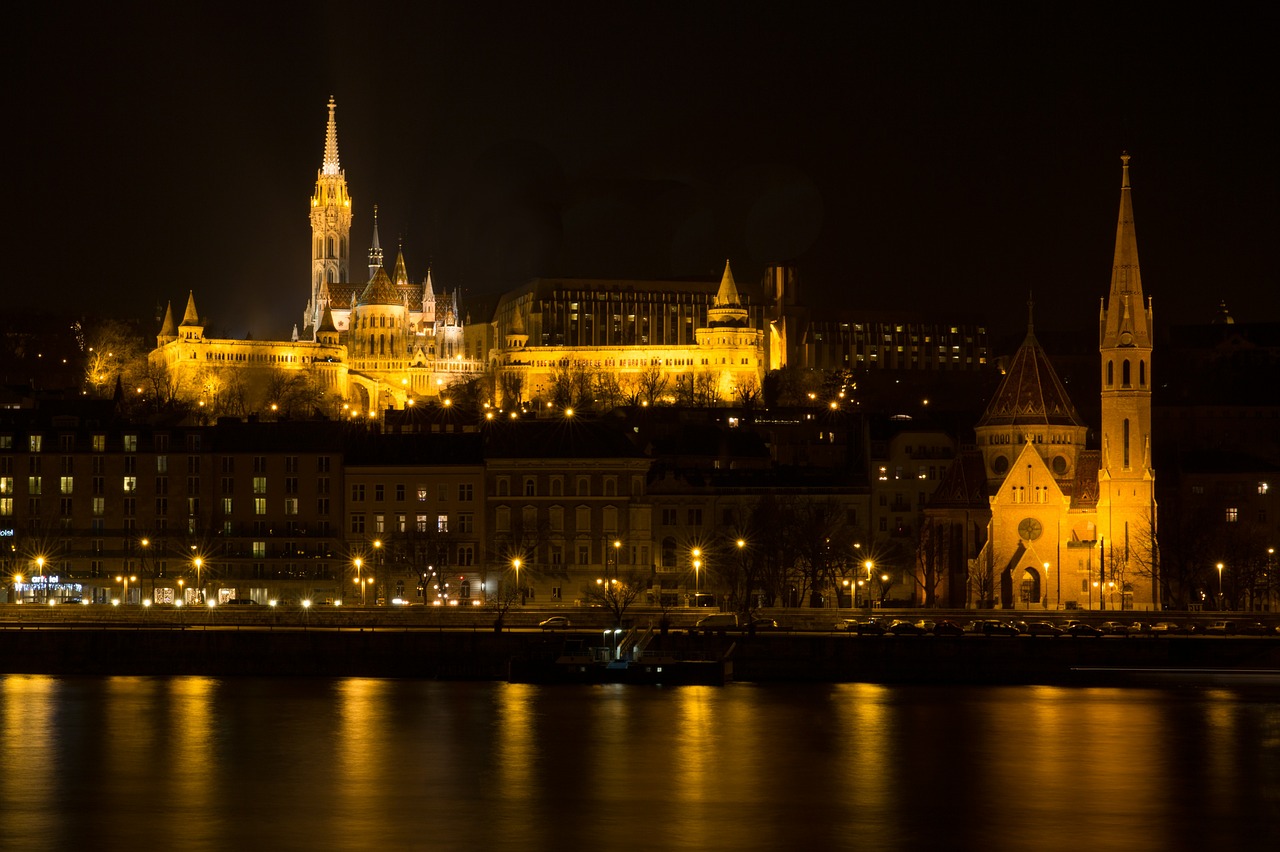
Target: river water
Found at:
x=352, y=764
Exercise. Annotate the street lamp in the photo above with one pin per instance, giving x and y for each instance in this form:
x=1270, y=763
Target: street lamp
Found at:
x=515, y=563
x=1046, y=586
x=199, y=563
x=145, y=542
x=1220, y=566
x=697, y=564
x=359, y=562
x=125, y=579
x=617, y=555
x=377, y=571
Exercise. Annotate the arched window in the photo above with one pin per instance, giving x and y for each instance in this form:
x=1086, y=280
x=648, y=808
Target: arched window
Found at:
x=1111, y=373
x=1142, y=374
x=1124, y=374
x=1125, y=440
x=331, y=251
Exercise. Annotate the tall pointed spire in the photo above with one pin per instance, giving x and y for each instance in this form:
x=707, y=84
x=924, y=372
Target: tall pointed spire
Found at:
x=330, y=223
x=331, y=165
x=401, y=275
x=375, y=249
x=1125, y=320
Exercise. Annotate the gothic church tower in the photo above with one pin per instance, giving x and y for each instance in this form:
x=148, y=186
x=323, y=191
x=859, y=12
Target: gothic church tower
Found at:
x=330, y=225
x=1126, y=481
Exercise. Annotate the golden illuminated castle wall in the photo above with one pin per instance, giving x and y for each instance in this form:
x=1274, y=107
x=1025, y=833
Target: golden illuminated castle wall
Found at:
x=641, y=335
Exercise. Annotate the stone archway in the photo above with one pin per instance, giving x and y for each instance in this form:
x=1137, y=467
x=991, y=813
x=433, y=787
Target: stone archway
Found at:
x=1030, y=588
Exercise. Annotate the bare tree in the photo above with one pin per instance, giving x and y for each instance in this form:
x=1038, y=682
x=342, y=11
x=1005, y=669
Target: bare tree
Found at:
x=651, y=384
x=615, y=594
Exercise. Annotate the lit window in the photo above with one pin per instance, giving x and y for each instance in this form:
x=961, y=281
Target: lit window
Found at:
x=1233, y=514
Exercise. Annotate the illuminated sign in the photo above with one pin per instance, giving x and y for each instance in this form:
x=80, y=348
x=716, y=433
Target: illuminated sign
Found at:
x=6, y=533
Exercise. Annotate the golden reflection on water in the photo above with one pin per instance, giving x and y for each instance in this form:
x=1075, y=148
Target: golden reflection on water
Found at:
x=185, y=743
x=362, y=752
x=28, y=735
x=516, y=741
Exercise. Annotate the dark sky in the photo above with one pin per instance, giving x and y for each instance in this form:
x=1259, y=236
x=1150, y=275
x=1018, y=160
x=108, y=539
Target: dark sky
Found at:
x=908, y=156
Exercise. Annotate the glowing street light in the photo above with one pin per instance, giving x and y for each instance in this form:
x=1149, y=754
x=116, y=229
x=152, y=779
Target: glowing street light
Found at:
x=125, y=580
x=1220, y=567
x=515, y=564
x=198, y=562
x=697, y=565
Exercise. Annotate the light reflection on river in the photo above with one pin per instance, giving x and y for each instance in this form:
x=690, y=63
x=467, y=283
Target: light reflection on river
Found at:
x=247, y=764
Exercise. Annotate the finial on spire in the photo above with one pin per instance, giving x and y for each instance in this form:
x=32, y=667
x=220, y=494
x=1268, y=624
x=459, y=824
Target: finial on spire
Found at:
x=1124, y=161
x=331, y=166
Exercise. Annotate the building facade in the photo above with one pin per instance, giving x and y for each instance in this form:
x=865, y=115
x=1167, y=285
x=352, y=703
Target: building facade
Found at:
x=1032, y=518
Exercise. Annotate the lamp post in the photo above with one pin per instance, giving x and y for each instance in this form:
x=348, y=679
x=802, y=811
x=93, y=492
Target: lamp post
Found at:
x=1046, y=586
x=1220, y=566
x=199, y=563
x=45, y=583
x=515, y=564
x=145, y=542
x=359, y=580
x=377, y=570
x=17, y=588
x=697, y=565
x=884, y=588
x=870, y=566
x=125, y=580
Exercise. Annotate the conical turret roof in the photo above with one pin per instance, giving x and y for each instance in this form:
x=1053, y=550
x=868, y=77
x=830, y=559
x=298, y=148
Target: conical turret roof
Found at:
x=728, y=293
x=191, y=316
x=1031, y=393
x=168, y=328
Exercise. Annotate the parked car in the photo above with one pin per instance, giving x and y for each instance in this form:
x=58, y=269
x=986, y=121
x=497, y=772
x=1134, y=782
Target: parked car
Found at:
x=870, y=627
x=1080, y=628
x=1113, y=628
x=1221, y=628
x=1165, y=628
x=762, y=624
x=1043, y=628
x=844, y=624
x=241, y=602
x=947, y=628
x=1139, y=628
x=1254, y=628
x=719, y=621
x=902, y=627
x=992, y=627
x=555, y=622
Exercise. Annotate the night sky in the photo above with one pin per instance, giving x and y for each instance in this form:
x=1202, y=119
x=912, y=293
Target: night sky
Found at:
x=949, y=157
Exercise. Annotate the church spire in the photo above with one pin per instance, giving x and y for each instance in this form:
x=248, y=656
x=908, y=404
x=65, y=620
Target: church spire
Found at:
x=375, y=249
x=330, y=223
x=1125, y=320
x=331, y=165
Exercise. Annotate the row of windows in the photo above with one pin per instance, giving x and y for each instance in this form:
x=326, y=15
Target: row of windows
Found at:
x=582, y=486
x=466, y=492
x=399, y=523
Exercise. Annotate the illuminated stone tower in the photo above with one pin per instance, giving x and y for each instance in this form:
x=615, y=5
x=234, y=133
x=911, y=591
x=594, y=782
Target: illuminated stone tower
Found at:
x=1126, y=482
x=330, y=225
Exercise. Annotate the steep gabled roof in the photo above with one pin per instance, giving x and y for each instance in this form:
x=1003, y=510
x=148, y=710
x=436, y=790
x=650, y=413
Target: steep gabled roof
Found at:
x=964, y=486
x=1084, y=489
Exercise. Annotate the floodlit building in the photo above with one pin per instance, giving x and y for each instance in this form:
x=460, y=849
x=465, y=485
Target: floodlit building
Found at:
x=1032, y=518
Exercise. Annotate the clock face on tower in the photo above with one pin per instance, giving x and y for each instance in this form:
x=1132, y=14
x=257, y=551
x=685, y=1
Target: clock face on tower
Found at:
x=1029, y=529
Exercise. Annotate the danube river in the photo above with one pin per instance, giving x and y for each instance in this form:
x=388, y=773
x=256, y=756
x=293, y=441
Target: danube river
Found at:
x=180, y=763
